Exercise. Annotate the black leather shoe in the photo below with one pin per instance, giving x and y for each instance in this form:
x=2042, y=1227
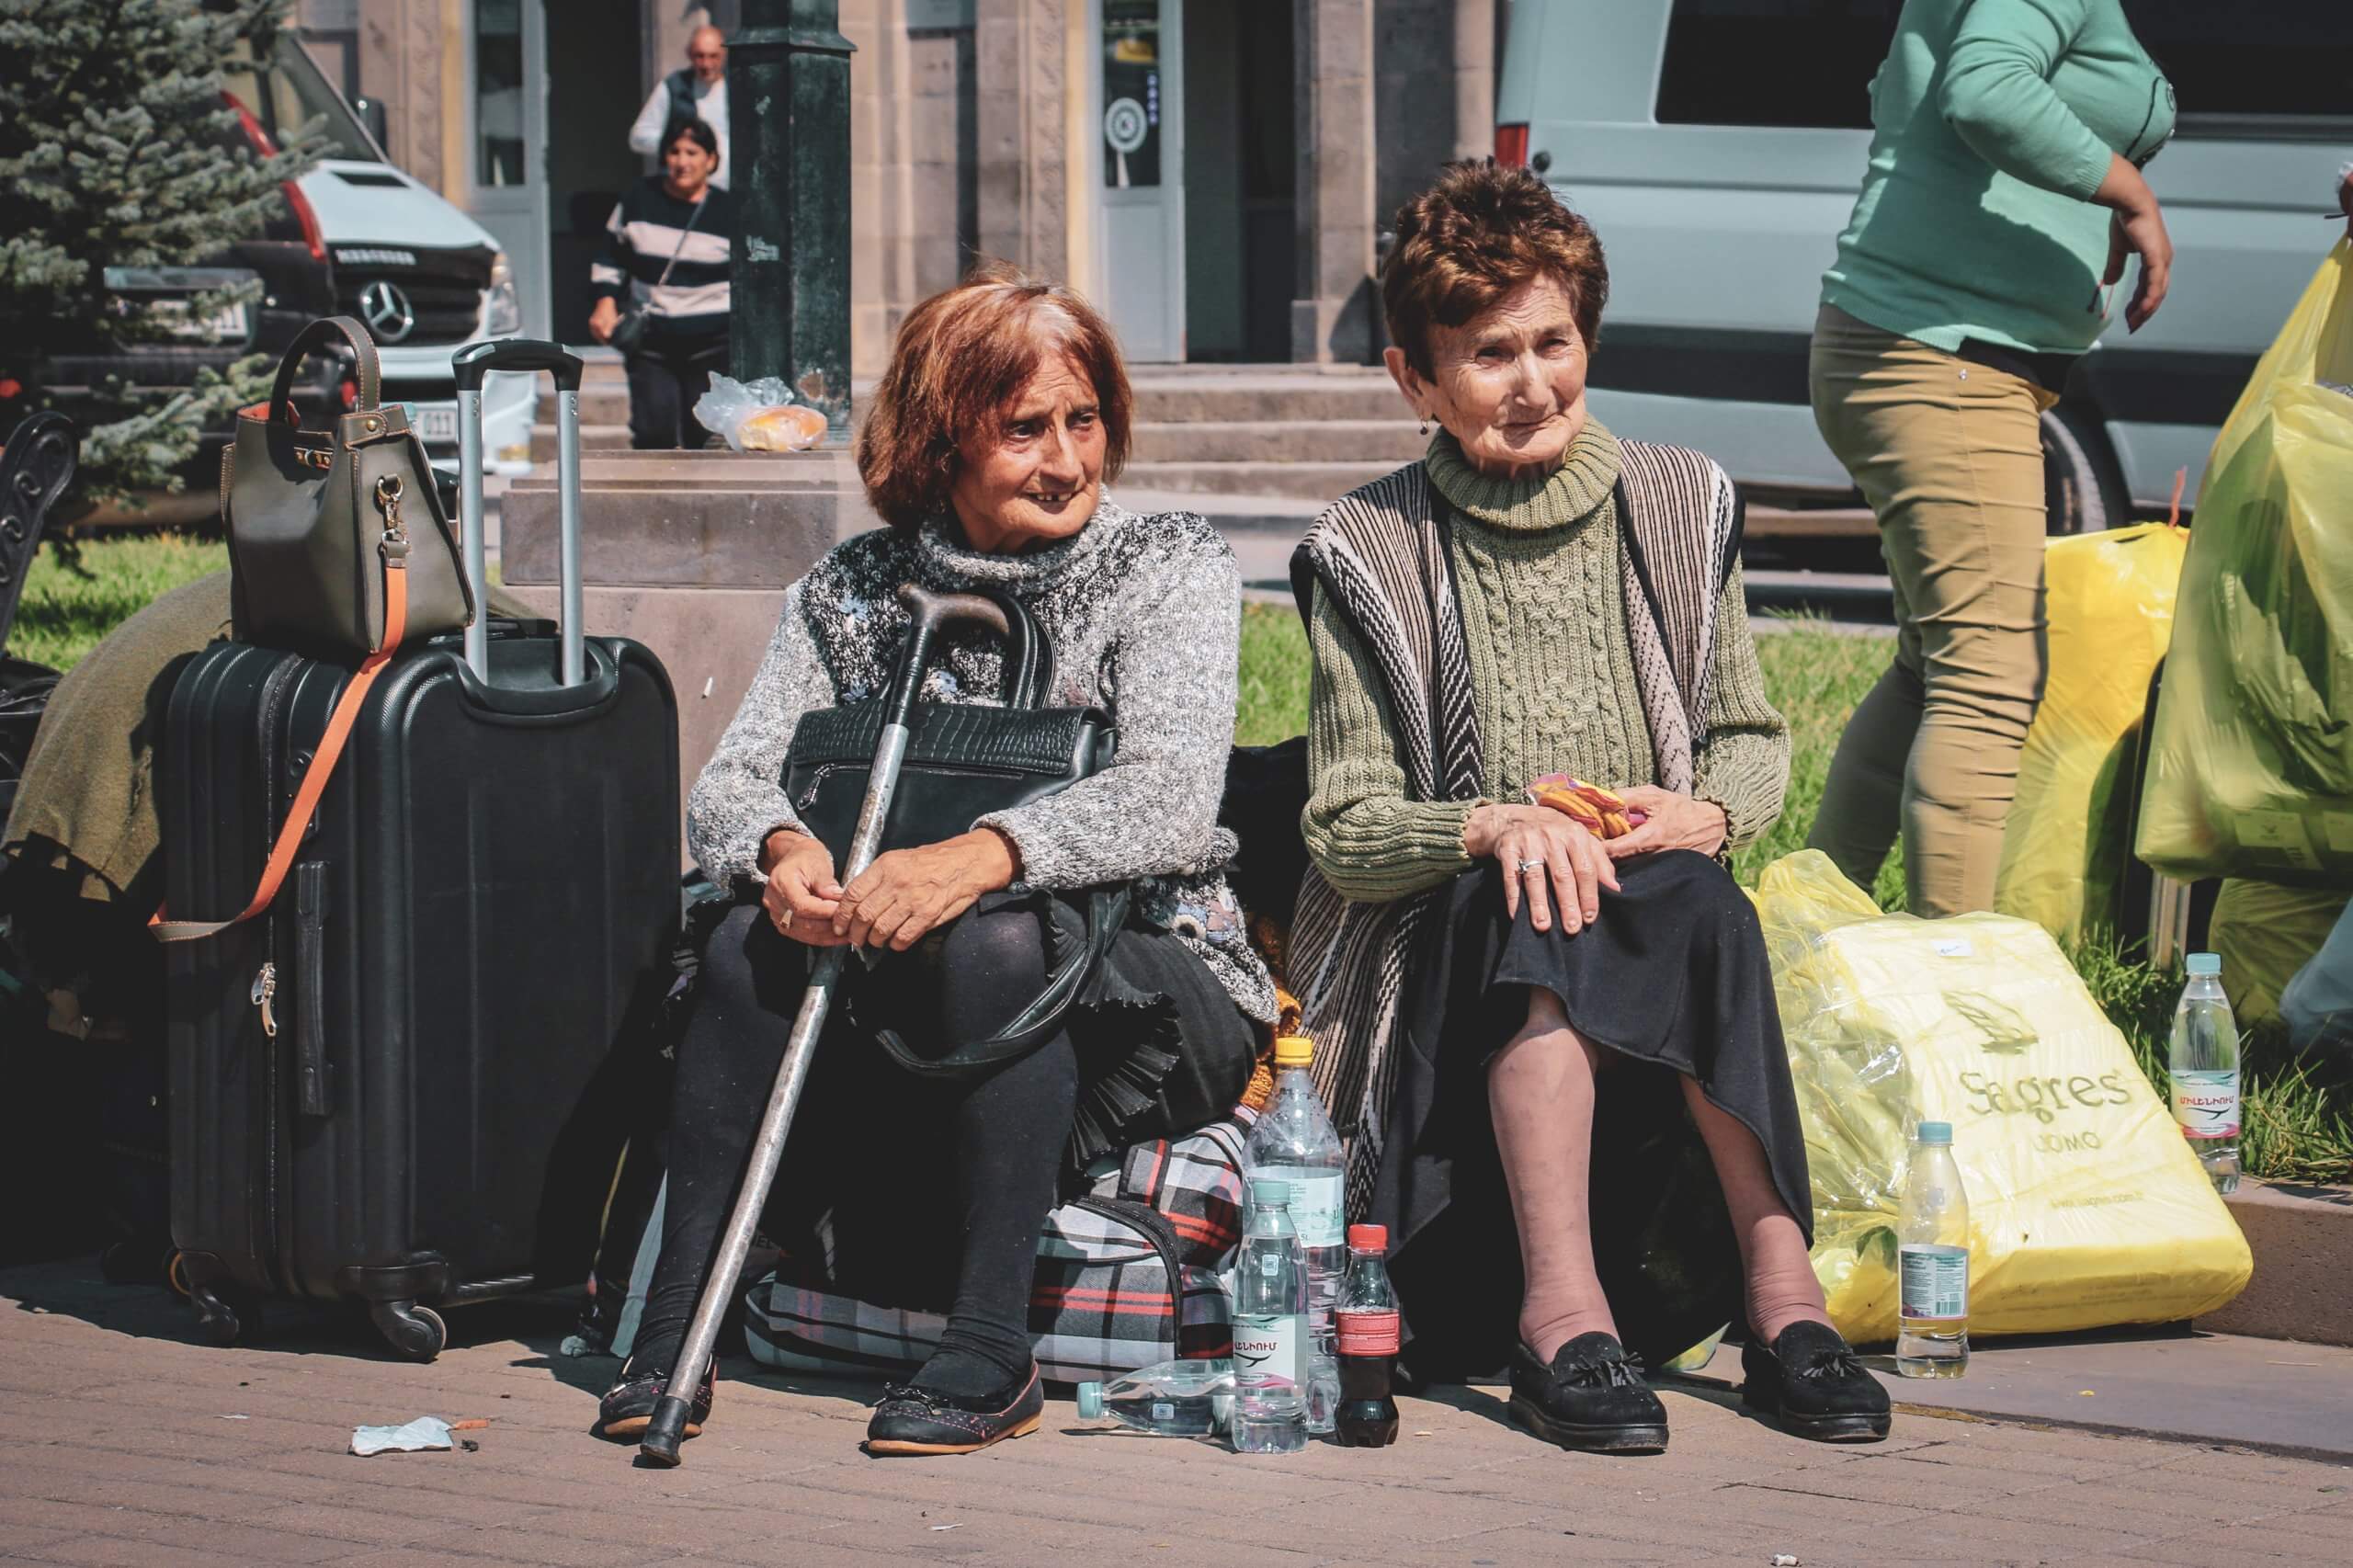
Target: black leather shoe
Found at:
x=913, y=1420
x=627, y=1408
x=1812, y=1384
x=1592, y=1398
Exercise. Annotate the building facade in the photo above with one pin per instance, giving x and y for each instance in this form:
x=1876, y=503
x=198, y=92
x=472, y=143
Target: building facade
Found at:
x=1216, y=174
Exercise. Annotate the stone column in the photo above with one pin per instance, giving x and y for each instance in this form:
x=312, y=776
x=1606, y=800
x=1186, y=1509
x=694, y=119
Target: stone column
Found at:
x=1022, y=124
x=1332, y=318
x=1475, y=53
x=404, y=64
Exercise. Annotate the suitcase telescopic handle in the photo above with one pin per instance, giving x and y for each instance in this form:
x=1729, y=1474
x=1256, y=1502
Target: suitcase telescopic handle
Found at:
x=530, y=355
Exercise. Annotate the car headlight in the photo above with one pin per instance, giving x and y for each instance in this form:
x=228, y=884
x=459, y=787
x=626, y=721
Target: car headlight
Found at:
x=503, y=308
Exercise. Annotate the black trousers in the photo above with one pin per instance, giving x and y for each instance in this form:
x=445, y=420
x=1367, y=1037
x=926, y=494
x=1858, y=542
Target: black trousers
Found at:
x=914, y=1174
x=664, y=379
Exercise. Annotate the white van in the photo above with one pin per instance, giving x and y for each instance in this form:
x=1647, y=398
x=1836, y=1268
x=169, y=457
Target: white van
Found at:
x=422, y=275
x=1717, y=145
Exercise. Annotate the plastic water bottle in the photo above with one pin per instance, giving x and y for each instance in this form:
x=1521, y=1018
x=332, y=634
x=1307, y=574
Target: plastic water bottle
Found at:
x=1932, y=1260
x=1296, y=1144
x=1269, y=1329
x=1175, y=1399
x=2205, y=1072
x=1367, y=1326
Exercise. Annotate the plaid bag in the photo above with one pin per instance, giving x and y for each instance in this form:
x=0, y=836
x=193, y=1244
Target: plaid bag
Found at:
x=1127, y=1276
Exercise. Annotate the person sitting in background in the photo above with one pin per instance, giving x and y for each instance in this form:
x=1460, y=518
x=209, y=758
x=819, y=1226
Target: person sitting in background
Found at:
x=1002, y=411
x=669, y=247
x=1537, y=597
x=697, y=90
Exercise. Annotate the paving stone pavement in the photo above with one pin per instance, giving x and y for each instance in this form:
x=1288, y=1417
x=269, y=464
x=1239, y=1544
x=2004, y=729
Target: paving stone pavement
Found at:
x=125, y=1443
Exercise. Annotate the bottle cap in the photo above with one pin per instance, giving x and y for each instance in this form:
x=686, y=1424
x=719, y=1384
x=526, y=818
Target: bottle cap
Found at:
x=1294, y=1051
x=1369, y=1238
x=1269, y=1191
x=2199, y=963
x=1936, y=1132
x=1090, y=1401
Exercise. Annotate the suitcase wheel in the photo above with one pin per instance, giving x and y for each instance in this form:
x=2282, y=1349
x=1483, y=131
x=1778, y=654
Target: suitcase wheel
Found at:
x=223, y=1313
x=414, y=1333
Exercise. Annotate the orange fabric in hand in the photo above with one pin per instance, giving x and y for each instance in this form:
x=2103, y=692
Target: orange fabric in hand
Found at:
x=1603, y=813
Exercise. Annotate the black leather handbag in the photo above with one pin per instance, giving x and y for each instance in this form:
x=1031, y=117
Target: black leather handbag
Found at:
x=965, y=761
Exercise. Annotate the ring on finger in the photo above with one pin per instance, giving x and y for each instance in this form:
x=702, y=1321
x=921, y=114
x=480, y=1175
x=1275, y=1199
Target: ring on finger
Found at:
x=1528, y=867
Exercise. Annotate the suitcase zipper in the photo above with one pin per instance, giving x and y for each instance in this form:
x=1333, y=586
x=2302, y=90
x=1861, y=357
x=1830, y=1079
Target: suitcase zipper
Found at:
x=265, y=993
x=275, y=687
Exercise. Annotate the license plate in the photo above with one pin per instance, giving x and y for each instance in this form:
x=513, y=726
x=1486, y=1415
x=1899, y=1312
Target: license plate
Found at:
x=436, y=425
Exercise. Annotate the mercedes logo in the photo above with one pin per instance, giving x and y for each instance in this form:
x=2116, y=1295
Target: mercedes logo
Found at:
x=387, y=312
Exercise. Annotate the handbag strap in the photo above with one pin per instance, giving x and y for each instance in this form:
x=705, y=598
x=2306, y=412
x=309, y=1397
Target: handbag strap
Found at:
x=1106, y=912
x=692, y=218
x=320, y=333
x=394, y=550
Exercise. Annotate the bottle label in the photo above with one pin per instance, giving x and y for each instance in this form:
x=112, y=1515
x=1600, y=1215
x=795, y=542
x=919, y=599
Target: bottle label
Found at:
x=1368, y=1333
x=1316, y=1204
x=1935, y=1281
x=2206, y=1102
x=1270, y=1345
x=1162, y=1410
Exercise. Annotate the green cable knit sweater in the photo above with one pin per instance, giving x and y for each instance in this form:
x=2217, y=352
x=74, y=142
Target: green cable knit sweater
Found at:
x=1552, y=681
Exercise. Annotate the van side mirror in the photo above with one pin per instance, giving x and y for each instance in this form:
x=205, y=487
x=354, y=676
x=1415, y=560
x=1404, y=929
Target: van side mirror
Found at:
x=371, y=114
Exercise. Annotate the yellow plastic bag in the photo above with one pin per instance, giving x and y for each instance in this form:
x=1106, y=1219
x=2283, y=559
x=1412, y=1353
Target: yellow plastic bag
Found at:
x=2067, y=846
x=2086, y=1208
x=2251, y=773
x=2264, y=934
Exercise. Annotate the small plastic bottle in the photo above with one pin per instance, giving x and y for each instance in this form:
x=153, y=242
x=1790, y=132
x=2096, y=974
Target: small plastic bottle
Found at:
x=2204, y=1067
x=1932, y=1260
x=1269, y=1329
x=1175, y=1399
x=1366, y=1325
x=1294, y=1142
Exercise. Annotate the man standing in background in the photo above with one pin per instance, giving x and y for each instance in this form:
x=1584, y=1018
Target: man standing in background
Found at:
x=697, y=90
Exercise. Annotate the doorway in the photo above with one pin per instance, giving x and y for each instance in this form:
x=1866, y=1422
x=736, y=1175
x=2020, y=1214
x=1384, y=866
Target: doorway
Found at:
x=596, y=82
x=1240, y=174
x=1141, y=86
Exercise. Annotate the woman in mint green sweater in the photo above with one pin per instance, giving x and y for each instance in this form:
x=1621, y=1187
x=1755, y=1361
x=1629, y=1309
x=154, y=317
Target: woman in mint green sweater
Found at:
x=2002, y=195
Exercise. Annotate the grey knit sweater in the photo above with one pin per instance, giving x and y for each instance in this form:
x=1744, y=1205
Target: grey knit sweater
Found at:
x=1145, y=616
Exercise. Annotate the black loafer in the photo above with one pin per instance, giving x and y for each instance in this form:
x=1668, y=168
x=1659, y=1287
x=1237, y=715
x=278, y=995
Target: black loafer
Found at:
x=1592, y=1398
x=1812, y=1384
x=913, y=1420
x=627, y=1408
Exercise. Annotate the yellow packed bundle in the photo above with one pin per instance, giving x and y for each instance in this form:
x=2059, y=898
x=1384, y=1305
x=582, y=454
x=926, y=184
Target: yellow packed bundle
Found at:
x=2264, y=934
x=2086, y=1208
x=2069, y=837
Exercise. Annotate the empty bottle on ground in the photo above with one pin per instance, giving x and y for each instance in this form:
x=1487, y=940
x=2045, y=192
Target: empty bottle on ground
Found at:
x=1932, y=1260
x=1270, y=1328
x=2205, y=1072
x=1365, y=1327
x=1175, y=1399
x=1295, y=1142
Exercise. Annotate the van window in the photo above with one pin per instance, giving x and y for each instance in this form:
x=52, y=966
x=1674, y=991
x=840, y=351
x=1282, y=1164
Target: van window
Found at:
x=1774, y=61
x=290, y=94
x=2278, y=68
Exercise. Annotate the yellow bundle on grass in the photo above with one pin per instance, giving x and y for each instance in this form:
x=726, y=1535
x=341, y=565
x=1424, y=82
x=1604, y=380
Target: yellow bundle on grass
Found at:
x=2068, y=842
x=2251, y=766
x=2085, y=1207
x=2264, y=934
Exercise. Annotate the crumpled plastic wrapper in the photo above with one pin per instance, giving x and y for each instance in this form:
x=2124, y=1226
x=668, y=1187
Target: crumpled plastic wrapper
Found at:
x=759, y=415
x=426, y=1432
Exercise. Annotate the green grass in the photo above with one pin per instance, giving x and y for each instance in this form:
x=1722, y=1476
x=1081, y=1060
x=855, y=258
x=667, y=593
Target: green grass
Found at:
x=65, y=611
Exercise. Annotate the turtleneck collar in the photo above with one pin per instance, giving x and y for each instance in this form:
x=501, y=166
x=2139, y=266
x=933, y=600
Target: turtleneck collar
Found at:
x=1570, y=492
x=941, y=543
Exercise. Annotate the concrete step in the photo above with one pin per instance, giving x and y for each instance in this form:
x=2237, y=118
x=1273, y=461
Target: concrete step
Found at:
x=601, y=403
x=600, y=437
x=1392, y=441
x=1297, y=481
x=1271, y=399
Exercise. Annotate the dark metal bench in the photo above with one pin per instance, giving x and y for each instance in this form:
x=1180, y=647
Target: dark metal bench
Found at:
x=35, y=467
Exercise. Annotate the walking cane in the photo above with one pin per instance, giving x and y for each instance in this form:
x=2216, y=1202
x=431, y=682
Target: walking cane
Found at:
x=928, y=613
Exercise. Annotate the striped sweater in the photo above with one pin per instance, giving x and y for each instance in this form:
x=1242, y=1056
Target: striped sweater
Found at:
x=648, y=227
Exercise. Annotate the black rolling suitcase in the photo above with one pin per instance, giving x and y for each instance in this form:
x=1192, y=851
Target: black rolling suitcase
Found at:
x=401, y=1085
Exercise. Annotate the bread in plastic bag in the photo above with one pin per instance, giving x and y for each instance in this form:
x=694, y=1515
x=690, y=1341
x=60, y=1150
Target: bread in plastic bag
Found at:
x=2068, y=842
x=2264, y=934
x=2087, y=1208
x=759, y=415
x=2251, y=765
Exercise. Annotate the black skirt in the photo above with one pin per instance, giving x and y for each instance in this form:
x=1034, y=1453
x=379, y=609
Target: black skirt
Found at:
x=1672, y=977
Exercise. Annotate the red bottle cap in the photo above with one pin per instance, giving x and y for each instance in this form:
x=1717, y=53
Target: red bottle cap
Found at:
x=1369, y=1238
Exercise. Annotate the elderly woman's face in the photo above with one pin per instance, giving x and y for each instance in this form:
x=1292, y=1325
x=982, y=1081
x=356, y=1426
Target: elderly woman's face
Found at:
x=1509, y=385
x=1038, y=476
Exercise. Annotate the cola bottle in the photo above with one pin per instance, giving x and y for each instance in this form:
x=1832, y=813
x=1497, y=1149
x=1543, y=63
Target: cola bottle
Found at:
x=1366, y=1325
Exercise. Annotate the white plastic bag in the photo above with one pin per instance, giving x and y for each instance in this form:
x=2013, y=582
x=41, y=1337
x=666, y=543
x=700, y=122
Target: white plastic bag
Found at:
x=759, y=417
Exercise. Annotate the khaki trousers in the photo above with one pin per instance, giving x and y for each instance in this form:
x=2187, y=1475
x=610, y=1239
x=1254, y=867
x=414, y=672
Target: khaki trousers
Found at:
x=1950, y=456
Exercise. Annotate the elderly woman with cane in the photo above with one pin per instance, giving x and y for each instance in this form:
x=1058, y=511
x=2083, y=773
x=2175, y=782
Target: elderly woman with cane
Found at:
x=1536, y=1028
x=1003, y=411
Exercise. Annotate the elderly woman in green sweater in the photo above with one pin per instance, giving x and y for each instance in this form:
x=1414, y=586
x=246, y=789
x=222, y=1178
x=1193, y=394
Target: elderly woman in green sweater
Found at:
x=1524, y=1027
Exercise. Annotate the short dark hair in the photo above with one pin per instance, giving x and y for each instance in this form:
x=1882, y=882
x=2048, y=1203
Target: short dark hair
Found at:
x=696, y=131
x=960, y=357
x=1483, y=230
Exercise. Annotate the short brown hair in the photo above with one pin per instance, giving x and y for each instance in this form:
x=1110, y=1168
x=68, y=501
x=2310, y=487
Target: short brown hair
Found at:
x=1481, y=231
x=960, y=356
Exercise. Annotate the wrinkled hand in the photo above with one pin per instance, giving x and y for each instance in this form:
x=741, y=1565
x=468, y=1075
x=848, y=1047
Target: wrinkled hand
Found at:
x=802, y=894
x=908, y=892
x=604, y=318
x=2136, y=228
x=1673, y=822
x=1567, y=869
